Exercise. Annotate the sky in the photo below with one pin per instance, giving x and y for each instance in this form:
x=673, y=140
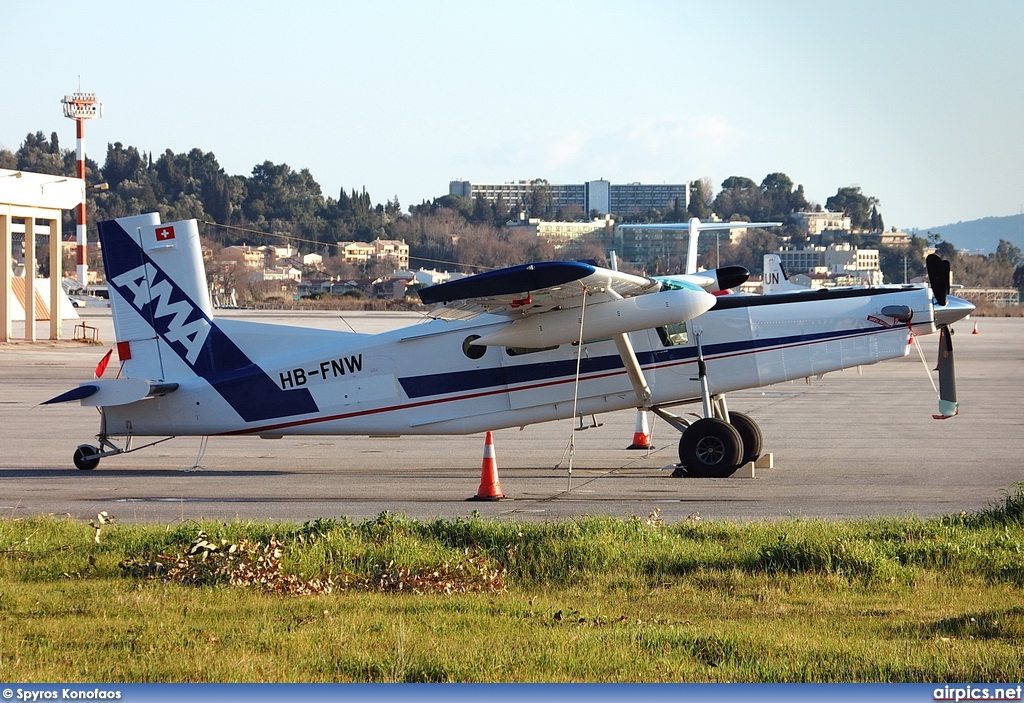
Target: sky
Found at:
x=919, y=103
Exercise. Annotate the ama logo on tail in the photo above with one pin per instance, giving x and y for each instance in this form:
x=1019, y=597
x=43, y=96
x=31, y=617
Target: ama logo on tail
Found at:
x=152, y=276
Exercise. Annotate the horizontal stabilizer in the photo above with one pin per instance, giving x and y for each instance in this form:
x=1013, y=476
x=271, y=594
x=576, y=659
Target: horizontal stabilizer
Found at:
x=83, y=391
x=703, y=226
x=117, y=391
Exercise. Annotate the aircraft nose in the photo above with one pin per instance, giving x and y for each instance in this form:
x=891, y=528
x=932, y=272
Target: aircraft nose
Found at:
x=954, y=309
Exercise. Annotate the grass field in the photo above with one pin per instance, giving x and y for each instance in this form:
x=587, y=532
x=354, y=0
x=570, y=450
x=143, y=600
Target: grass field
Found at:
x=596, y=599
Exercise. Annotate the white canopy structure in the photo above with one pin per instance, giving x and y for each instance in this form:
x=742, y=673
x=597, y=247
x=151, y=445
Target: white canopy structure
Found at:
x=37, y=199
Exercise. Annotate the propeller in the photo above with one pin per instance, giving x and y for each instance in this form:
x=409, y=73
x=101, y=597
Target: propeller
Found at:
x=948, y=407
x=938, y=277
x=939, y=280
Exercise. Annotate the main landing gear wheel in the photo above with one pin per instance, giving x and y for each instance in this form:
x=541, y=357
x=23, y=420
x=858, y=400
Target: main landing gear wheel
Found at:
x=711, y=448
x=750, y=433
x=85, y=457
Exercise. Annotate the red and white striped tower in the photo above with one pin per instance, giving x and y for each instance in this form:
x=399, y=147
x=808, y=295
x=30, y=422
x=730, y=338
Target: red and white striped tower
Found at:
x=81, y=107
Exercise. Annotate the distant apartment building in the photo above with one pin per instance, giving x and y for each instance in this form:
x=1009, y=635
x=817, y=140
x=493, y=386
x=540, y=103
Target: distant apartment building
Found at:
x=393, y=252
x=801, y=260
x=839, y=264
x=639, y=197
x=390, y=251
x=251, y=257
x=844, y=258
x=894, y=238
x=356, y=252
x=276, y=273
x=598, y=196
x=818, y=222
x=561, y=233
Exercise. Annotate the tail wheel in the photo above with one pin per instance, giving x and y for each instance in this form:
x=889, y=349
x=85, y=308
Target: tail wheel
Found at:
x=85, y=457
x=750, y=433
x=710, y=448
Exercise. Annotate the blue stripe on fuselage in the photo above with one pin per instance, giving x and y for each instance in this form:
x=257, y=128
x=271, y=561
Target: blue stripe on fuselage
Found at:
x=192, y=335
x=481, y=379
x=491, y=382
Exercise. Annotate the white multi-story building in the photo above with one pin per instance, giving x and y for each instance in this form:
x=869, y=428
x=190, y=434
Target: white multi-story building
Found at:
x=392, y=251
x=267, y=256
x=842, y=264
x=817, y=222
x=560, y=233
x=251, y=257
x=844, y=258
x=598, y=196
x=278, y=273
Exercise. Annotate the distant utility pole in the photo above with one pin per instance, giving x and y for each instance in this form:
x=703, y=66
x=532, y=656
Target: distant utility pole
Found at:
x=81, y=107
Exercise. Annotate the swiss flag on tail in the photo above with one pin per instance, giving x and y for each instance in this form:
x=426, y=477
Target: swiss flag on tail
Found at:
x=164, y=234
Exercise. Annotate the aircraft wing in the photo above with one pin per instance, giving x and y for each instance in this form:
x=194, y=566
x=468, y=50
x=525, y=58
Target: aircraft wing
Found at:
x=528, y=289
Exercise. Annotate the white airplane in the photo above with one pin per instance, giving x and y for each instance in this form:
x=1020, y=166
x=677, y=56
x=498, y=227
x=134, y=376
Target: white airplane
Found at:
x=774, y=278
x=506, y=348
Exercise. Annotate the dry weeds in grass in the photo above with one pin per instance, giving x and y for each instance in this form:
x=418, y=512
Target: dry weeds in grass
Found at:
x=258, y=565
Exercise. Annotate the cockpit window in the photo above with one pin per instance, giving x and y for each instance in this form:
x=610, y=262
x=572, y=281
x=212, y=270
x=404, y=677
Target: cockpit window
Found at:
x=674, y=335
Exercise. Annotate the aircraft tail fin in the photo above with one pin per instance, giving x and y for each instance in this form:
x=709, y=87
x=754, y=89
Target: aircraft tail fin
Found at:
x=166, y=335
x=695, y=227
x=775, y=279
x=158, y=293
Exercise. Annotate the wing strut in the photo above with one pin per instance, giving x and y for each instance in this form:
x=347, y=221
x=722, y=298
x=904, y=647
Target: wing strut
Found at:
x=702, y=376
x=633, y=370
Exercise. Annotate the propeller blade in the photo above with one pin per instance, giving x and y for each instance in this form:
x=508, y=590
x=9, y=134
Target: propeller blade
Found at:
x=938, y=277
x=948, y=406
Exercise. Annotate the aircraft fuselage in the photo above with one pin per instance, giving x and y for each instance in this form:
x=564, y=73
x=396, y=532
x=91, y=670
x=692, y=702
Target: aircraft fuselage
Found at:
x=430, y=379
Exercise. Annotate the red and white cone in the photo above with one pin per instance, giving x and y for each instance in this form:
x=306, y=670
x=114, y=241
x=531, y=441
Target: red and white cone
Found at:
x=975, y=328
x=490, y=486
x=641, y=432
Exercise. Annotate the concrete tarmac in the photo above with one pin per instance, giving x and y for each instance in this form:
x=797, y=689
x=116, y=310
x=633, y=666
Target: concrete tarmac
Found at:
x=856, y=443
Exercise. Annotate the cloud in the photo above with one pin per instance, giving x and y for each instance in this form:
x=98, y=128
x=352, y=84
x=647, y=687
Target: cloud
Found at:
x=661, y=148
x=682, y=136
x=646, y=148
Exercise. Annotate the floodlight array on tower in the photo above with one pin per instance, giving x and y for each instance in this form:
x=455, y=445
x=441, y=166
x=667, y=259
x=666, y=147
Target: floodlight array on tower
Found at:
x=81, y=107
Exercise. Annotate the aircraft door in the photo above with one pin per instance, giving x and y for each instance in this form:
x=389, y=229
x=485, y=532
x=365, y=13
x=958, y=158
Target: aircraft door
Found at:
x=345, y=383
x=379, y=384
x=531, y=374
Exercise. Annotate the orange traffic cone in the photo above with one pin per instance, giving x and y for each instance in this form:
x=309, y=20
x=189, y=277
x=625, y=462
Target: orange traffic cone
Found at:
x=975, y=328
x=641, y=434
x=490, y=486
